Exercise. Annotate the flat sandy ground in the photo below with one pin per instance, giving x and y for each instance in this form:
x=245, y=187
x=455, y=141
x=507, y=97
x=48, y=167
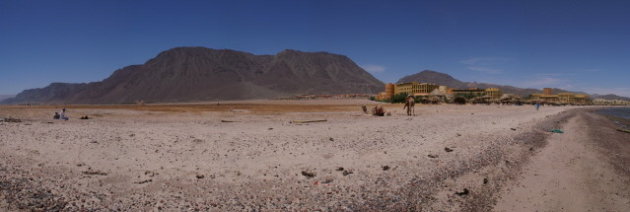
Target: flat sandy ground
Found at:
x=253, y=156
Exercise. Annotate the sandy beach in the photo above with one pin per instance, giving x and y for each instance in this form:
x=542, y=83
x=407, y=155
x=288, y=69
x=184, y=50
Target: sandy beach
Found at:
x=254, y=156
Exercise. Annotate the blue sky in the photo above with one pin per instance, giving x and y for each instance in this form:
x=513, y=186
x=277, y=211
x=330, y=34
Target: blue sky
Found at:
x=576, y=45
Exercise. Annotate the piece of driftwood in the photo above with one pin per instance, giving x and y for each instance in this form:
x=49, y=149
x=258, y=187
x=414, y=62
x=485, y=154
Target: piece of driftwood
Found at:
x=144, y=181
x=623, y=130
x=14, y=120
x=308, y=121
x=227, y=121
x=94, y=172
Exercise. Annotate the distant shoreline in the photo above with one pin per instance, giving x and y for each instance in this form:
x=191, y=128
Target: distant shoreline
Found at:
x=618, y=115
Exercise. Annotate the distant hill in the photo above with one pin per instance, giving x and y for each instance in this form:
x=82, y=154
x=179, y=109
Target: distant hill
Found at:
x=433, y=77
x=3, y=97
x=198, y=73
x=445, y=79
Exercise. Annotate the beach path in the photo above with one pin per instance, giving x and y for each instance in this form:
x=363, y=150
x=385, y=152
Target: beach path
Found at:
x=572, y=173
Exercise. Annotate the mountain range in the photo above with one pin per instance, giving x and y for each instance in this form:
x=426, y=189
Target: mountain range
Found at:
x=197, y=74
x=187, y=74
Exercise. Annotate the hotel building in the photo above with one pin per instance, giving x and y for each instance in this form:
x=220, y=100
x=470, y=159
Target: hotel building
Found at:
x=561, y=98
x=426, y=89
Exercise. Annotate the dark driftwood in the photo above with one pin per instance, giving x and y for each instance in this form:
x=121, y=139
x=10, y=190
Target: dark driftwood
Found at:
x=308, y=121
x=93, y=172
x=623, y=130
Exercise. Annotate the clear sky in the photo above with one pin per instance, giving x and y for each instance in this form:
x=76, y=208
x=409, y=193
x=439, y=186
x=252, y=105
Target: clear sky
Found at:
x=570, y=44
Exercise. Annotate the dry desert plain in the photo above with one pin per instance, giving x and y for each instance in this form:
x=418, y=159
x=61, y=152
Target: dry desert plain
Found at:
x=253, y=156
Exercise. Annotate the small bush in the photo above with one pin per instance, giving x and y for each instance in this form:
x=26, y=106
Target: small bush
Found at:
x=399, y=98
x=459, y=100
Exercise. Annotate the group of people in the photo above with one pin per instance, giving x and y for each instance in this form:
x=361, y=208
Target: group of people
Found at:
x=61, y=116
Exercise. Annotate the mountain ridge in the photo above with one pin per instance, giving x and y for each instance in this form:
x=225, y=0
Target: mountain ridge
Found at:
x=184, y=74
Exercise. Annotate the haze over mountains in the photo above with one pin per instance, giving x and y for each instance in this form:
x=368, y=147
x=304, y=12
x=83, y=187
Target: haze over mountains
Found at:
x=186, y=74
x=197, y=74
x=3, y=97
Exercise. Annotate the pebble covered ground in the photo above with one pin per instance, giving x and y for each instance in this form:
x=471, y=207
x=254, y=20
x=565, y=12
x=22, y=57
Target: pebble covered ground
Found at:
x=447, y=157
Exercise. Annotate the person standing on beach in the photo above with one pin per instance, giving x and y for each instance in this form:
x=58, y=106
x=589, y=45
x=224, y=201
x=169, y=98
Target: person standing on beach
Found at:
x=537, y=106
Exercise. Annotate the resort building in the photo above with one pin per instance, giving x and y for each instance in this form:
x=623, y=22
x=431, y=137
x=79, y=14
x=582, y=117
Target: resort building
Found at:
x=493, y=93
x=443, y=89
x=581, y=99
x=430, y=90
x=389, y=92
x=562, y=98
x=467, y=93
x=411, y=88
x=489, y=93
x=545, y=98
x=415, y=88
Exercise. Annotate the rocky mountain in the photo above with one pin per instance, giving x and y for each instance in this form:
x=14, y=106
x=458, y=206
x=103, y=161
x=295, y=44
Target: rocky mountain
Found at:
x=445, y=79
x=198, y=73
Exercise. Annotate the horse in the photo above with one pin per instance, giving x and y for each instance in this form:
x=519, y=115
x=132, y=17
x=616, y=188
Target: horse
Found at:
x=410, y=102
